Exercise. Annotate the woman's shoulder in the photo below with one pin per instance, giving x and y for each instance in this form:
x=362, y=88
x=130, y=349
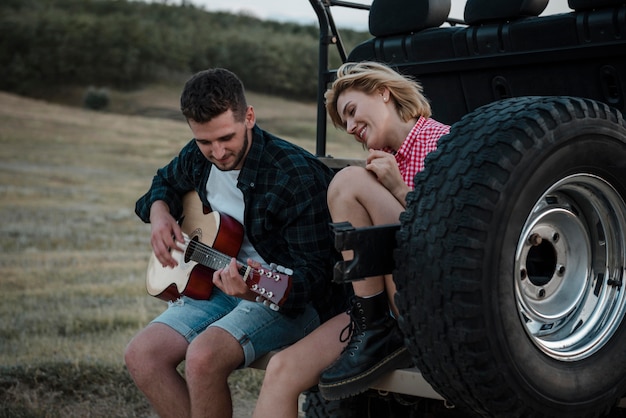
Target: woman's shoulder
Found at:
x=433, y=125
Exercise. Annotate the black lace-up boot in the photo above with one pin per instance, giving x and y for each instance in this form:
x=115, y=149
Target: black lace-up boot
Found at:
x=376, y=347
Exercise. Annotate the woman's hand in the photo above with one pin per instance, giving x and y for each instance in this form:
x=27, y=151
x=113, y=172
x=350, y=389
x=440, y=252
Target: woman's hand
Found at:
x=385, y=167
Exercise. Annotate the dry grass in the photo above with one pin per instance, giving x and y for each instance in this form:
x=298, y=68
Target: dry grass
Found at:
x=74, y=254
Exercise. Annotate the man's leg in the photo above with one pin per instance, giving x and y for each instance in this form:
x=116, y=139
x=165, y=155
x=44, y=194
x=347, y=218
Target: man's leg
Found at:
x=151, y=358
x=211, y=358
x=154, y=354
x=249, y=331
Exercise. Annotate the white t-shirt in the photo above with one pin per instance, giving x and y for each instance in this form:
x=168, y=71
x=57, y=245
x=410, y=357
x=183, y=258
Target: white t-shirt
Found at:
x=225, y=197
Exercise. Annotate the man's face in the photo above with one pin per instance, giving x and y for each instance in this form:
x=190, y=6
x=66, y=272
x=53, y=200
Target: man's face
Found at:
x=223, y=140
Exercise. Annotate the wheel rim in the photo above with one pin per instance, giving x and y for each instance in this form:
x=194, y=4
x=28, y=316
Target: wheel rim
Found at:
x=569, y=267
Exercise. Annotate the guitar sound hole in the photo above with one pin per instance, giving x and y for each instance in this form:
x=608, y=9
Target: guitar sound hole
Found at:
x=190, y=248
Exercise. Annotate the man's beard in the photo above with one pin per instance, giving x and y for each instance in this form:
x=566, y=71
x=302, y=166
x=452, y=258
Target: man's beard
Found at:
x=239, y=156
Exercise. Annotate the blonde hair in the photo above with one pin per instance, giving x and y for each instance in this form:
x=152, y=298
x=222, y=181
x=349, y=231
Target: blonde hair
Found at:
x=369, y=77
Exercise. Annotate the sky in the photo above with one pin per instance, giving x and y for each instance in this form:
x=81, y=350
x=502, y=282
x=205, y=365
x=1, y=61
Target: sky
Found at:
x=300, y=11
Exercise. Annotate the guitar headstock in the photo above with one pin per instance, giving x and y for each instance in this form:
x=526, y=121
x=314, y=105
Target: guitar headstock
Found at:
x=272, y=285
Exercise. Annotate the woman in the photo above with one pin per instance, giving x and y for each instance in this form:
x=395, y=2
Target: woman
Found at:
x=389, y=115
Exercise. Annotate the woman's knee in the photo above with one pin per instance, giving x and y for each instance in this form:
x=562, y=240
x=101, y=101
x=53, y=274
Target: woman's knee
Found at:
x=347, y=176
x=279, y=364
x=345, y=184
x=281, y=368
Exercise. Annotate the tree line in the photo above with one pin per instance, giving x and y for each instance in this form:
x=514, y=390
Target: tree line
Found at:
x=125, y=44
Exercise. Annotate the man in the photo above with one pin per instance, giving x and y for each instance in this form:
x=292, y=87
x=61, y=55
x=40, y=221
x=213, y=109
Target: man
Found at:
x=277, y=191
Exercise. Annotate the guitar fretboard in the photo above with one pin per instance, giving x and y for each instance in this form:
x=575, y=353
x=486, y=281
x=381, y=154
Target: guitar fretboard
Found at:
x=209, y=257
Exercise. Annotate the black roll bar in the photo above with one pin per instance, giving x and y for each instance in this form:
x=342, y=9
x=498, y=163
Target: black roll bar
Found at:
x=328, y=35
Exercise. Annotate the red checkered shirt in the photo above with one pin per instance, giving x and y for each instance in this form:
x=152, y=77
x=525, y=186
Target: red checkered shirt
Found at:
x=421, y=140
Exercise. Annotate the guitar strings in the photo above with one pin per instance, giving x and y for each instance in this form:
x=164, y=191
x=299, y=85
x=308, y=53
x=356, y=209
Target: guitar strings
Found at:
x=202, y=253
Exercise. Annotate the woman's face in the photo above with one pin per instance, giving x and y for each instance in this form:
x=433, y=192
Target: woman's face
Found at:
x=368, y=117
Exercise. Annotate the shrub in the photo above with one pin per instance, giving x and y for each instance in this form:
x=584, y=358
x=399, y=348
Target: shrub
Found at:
x=96, y=99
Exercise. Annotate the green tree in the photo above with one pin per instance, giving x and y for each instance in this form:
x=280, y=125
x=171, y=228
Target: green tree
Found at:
x=124, y=44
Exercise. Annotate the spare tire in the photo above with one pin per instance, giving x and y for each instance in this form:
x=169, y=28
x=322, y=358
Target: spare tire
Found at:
x=511, y=256
x=315, y=406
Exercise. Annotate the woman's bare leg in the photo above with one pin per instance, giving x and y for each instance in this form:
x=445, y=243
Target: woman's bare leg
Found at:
x=356, y=196
x=376, y=345
x=297, y=368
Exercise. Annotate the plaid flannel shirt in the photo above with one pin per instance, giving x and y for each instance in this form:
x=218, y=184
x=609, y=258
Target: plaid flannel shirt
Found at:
x=286, y=216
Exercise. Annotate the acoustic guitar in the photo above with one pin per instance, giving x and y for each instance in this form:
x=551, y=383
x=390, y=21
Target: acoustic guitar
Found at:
x=211, y=240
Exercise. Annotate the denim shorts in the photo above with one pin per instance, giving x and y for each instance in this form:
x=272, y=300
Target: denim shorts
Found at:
x=258, y=328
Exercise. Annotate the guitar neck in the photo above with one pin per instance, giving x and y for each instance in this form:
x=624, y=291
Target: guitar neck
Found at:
x=209, y=257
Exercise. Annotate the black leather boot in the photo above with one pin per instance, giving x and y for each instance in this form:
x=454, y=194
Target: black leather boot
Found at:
x=376, y=347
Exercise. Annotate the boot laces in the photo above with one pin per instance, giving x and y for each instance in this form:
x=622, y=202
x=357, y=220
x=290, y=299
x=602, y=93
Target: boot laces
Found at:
x=348, y=330
x=351, y=330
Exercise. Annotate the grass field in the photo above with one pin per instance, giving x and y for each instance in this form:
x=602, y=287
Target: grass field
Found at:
x=74, y=253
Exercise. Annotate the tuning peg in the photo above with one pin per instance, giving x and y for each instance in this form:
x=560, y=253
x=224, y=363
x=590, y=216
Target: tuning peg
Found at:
x=266, y=302
x=284, y=270
x=276, y=267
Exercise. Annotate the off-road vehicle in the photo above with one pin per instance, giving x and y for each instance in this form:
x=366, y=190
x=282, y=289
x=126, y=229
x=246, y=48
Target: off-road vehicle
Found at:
x=509, y=259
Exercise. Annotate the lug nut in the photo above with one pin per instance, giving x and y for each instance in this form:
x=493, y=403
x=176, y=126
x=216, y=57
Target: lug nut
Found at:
x=535, y=240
